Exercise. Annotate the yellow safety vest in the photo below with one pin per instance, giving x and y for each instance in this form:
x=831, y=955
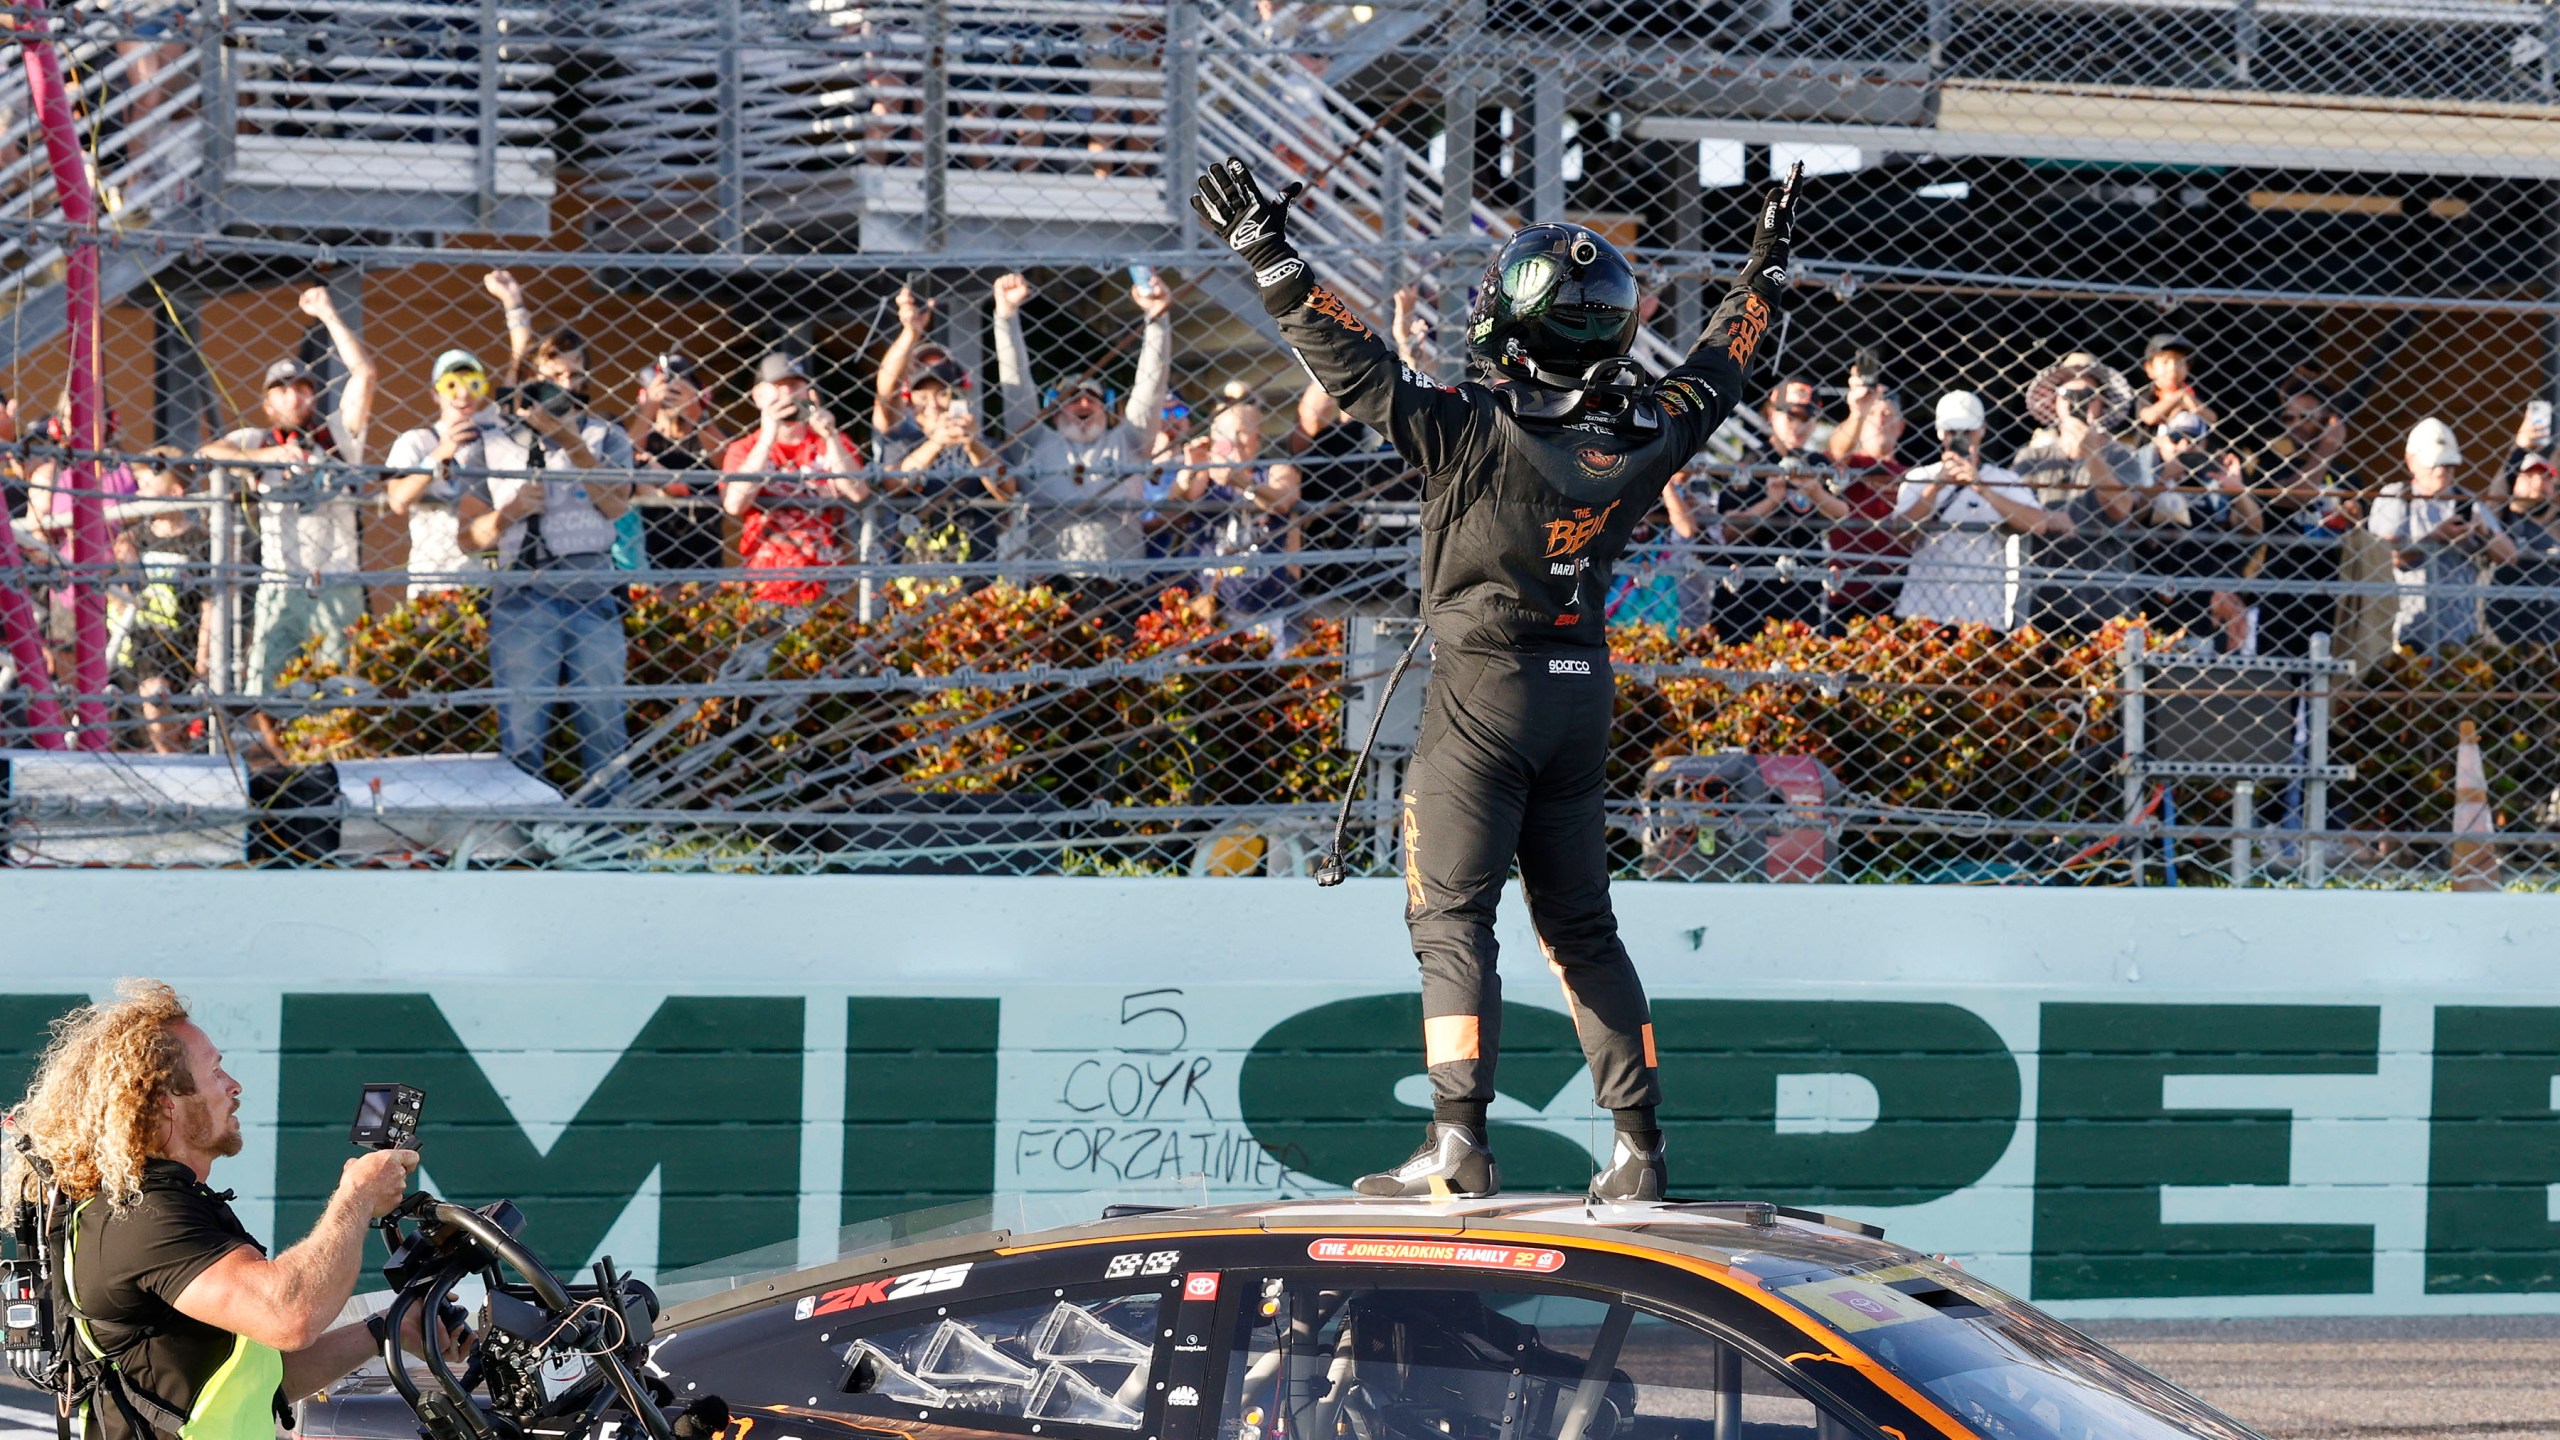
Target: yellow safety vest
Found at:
x=236, y=1403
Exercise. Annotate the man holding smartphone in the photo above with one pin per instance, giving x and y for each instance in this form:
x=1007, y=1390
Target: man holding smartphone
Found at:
x=1971, y=517
x=790, y=482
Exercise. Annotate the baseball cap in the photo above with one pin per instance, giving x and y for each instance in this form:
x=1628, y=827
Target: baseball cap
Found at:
x=777, y=367
x=2186, y=425
x=2431, y=442
x=290, y=372
x=450, y=361
x=1959, y=410
x=941, y=370
x=2535, y=460
x=2165, y=340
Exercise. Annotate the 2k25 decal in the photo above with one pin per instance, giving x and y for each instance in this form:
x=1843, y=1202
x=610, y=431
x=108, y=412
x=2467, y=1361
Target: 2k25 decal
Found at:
x=887, y=1287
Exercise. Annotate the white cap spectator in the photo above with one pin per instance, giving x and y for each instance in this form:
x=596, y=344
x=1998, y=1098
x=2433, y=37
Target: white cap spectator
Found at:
x=1960, y=410
x=2431, y=442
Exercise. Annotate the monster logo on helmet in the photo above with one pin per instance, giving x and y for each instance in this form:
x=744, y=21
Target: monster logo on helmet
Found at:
x=1556, y=301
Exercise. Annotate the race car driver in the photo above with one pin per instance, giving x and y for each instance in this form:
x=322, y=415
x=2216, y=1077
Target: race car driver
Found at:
x=1534, y=472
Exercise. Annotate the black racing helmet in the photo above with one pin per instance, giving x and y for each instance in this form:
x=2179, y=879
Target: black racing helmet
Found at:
x=1557, y=300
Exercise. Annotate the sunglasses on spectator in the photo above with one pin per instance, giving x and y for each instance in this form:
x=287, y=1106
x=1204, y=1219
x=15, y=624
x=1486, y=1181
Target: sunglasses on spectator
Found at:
x=1177, y=412
x=463, y=382
x=1799, y=412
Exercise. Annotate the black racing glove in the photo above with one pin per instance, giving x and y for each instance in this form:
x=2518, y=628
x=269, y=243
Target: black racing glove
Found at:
x=1756, y=299
x=1255, y=226
x=1766, y=270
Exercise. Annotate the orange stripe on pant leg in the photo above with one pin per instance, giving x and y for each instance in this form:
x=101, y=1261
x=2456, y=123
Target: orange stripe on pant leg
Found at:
x=1649, y=1062
x=1451, y=1037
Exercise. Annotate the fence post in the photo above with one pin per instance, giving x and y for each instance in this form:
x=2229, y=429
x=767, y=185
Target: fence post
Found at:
x=1546, y=143
x=2130, y=672
x=2315, y=791
x=213, y=65
x=2244, y=42
x=2244, y=815
x=1458, y=160
x=1181, y=115
x=222, y=597
x=731, y=196
x=484, y=163
x=936, y=119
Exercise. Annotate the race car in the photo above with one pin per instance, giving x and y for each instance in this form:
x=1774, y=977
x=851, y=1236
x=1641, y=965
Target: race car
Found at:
x=1515, y=1318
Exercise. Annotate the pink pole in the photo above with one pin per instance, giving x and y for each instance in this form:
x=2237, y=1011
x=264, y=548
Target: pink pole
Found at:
x=18, y=628
x=92, y=546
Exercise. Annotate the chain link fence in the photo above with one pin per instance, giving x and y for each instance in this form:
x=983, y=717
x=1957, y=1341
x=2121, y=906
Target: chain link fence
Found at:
x=795, y=437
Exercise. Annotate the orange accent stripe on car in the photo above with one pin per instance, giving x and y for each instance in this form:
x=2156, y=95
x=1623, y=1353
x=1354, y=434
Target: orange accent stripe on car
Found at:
x=1446, y=1038
x=1746, y=1286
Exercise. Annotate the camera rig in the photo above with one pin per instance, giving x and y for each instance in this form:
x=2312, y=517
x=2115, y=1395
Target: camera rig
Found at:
x=554, y=1361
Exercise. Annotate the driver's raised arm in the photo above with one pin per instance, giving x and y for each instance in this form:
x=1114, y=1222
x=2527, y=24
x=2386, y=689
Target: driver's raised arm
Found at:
x=1707, y=383
x=287, y=1303
x=1355, y=365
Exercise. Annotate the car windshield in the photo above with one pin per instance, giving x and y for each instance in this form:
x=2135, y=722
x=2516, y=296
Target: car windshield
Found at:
x=2003, y=1367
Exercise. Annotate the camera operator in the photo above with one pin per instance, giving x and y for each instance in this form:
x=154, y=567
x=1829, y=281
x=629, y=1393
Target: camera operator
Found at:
x=1778, y=515
x=175, y=1309
x=2531, y=518
x=2440, y=538
x=1971, y=515
x=555, y=603
x=2082, y=472
x=2207, y=523
x=797, y=457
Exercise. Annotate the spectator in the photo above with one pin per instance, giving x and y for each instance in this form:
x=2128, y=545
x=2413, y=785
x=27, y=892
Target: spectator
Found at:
x=49, y=504
x=1777, y=515
x=157, y=637
x=675, y=444
x=558, y=360
x=1412, y=327
x=1351, y=475
x=788, y=482
x=308, y=529
x=1866, y=394
x=1971, y=518
x=939, y=455
x=2207, y=524
x=889, y=406
x=2439, y=538
x=423, y=486
x=1867, y=551
x=555, y=612
x=1254, y=505
x=2530, y=516
x=2085, y=475
x=1084, y=471
x=1695, y=526
x=2311, y=507
x=1646, y=590
x=1172, y=531
x=2167, y=361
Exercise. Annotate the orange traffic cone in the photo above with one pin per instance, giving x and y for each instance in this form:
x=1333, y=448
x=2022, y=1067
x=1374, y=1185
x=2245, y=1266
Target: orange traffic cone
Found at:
x=2475, y=861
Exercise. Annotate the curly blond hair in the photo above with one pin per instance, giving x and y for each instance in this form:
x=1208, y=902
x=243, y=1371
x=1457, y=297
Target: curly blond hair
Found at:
x=93, y=1109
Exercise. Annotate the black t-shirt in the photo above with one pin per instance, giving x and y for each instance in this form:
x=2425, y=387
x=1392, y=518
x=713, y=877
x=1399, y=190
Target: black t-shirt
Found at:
x=131, y=1268
x=685, y=536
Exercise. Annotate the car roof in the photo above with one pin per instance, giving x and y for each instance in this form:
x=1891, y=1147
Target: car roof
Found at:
x=1710, y=1230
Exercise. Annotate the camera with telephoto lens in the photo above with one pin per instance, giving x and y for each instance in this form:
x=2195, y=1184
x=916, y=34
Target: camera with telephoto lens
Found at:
x=387, y=1118
x=555, y=401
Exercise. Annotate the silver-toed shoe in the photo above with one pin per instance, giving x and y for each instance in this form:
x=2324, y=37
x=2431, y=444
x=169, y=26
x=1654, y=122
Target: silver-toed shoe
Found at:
x=1451, y=1165
x=1634, y=1175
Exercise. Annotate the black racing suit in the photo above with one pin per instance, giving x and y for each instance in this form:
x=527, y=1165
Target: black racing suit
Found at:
x=1521, y=522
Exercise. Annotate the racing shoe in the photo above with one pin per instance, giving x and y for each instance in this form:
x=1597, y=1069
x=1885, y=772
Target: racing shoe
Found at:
x=1634, y=1175
x=1451, y=1165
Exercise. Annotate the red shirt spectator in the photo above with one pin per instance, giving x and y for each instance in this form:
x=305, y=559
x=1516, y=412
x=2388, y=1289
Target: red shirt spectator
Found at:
x=800, y=439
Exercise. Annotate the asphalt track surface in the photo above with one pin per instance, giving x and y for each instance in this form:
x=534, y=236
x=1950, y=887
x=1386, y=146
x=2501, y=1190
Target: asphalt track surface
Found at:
x=2351, y=1379
x=2362, y=1379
